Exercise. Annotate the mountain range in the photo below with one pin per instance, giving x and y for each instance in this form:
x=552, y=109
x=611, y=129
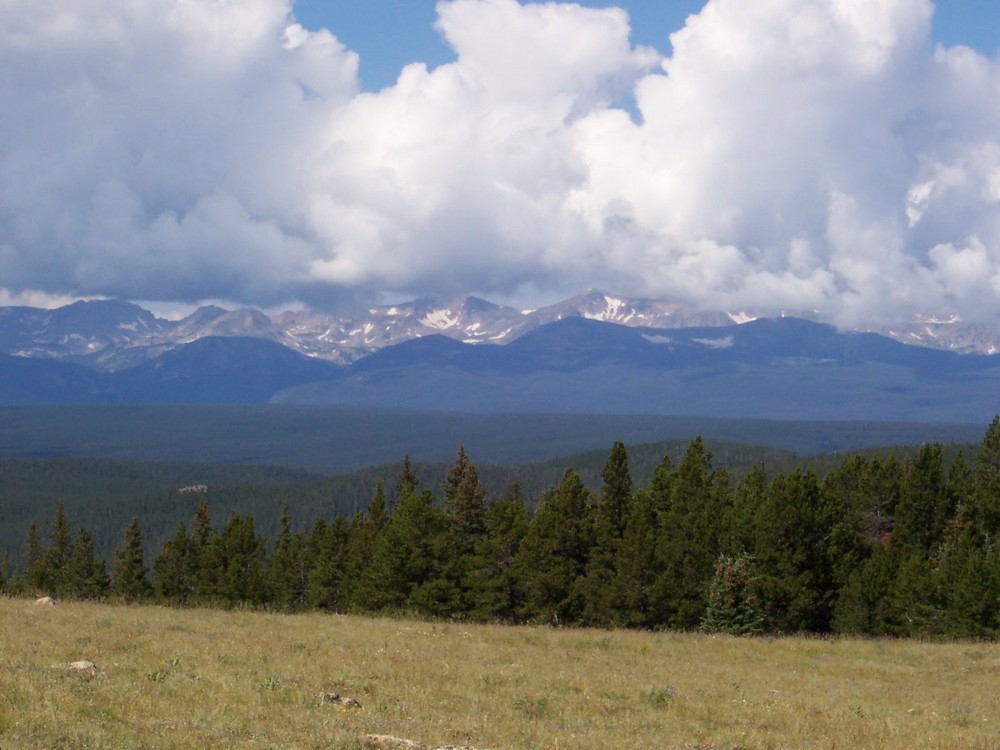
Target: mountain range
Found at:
x=595, y=353
x=114, y=335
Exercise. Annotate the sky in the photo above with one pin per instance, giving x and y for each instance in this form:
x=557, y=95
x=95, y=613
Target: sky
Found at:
x=838, y=156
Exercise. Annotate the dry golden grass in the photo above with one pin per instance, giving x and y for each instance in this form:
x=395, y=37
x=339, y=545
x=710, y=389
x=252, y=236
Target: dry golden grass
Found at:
x=200, y=679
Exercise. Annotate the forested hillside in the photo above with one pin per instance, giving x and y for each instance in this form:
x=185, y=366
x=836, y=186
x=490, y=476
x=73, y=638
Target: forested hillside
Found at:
x=102, y=495
x=878, y=545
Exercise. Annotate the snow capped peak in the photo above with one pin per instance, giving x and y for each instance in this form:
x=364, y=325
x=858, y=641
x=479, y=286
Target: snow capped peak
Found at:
x=440, y=319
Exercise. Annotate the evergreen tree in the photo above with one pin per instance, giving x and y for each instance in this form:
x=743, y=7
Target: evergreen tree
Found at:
x=638, y=563
x=924, y=506
x=863, y=606
x=242, y=553
x=848, y=500
x=406, y=481
x=599, y=585
x=612, y=507
x=410, y=562
x=961, y=487
x=497, y=592
x=378, y=509
x=87, y=576
x=363, y=534
x=912, y=609
x=328, y=545
x=966, y=582
x=915, y=605
x=207, y=565
x=465, y=504
x=733, y=602
x=554, y=553
x=173, y=569
x=984, y=510
x=56, y=555
x=128, y=574
x=791, y=536
x=973, y=593
x=288, y=568
x=34, y=560
x=740, y=521
x=465, y=508
x=689, y=541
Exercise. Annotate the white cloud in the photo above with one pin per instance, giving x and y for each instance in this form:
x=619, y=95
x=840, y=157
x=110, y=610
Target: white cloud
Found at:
x=789, y=153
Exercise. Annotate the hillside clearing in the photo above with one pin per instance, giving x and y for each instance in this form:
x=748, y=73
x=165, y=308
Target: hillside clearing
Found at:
x=167, y=678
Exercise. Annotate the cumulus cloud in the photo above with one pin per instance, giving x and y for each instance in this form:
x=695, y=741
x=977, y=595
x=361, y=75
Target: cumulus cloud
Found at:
x=804, y=154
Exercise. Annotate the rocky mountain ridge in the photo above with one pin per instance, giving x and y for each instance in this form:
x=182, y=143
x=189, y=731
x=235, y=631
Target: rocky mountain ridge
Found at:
x=113, y=335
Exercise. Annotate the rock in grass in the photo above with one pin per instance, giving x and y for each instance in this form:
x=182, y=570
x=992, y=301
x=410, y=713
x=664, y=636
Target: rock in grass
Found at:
x=389, y=742
x=83, y=666
x=338, y=700
x=45, y=601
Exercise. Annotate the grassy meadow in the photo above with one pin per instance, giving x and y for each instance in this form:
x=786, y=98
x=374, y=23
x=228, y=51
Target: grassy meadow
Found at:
x=200, y=678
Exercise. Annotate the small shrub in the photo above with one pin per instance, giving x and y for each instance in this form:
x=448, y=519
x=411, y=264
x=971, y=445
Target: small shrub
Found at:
x=660, y=696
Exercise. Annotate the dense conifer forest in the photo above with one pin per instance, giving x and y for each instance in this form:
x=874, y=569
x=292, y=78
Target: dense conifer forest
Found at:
x=874, y=545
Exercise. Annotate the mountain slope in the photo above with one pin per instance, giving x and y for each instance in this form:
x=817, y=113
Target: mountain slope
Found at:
x=773, y=369
x=219, y=370
x=24, y=380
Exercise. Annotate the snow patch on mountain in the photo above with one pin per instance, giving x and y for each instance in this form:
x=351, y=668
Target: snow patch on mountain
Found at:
x=723, y=343
x=440, y=319
x=656, y=339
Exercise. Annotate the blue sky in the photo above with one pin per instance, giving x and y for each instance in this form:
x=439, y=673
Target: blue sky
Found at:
x=837, y=156
x=388, y=34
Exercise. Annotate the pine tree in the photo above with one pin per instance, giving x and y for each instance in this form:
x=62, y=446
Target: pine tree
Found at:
x=965, y=582
x=638, y=564
x=497, y=593
x=410, y=559
x=288, y=568
x=611, y=512
x=128, y=574
x=739, y=522
x=242, y=553
x=328, y=545
x=914, y=605
x=34, y=560
x=863, y=604
x=690, y=538
x=972, y=585
x=554, y=553
x=406, y=481
x=984, y=510
x=410, y=563
x=87, y=576
x=206, y=573
x=465, y=504
x=363, y=535
x=465, y=508
x=795, y=571
x=56, y=555
x=847, y=497
x=173, y=569
x=924, y=506
x=378, y=509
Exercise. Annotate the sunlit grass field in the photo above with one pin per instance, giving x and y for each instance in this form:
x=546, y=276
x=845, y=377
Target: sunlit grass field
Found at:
x=198, y=678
